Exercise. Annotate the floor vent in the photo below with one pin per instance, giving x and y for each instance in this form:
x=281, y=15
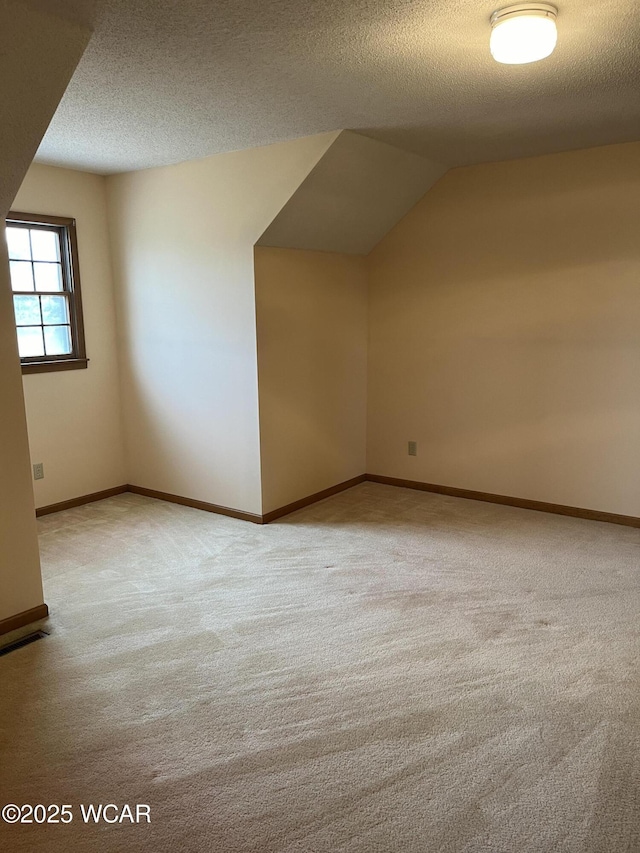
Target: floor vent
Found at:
x=23, y=641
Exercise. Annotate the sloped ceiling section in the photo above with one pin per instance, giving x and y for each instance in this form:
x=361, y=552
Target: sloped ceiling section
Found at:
x=355, y=194
x=41, y=46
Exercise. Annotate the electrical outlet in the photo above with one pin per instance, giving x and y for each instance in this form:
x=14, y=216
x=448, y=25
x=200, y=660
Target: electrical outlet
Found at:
x=38, y=471
x=413, y=448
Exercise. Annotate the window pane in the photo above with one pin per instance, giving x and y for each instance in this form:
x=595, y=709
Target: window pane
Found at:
x=27, y=310
x=30, y=341
x=18, y=243
x=21, y=275
x=54, y=309
x=57, y=340
x=48, y=276
x=45, y=245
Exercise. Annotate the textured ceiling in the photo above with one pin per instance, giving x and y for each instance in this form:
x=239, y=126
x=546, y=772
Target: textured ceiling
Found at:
x=165, y=81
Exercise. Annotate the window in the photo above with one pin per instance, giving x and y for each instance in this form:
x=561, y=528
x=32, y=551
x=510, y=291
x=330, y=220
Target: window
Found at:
x=43, y=261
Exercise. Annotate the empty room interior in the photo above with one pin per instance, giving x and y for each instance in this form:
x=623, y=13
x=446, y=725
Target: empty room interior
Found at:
x=320, y=426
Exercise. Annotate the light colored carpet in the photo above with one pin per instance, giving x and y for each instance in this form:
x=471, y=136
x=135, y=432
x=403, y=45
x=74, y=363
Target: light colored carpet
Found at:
x=385, y=671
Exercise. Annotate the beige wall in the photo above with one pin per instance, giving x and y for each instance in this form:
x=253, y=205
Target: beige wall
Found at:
x=39, y=53
x=505, y=332
x=182, y=240
x=20, y=580
x=74, y=417
x=312, y=350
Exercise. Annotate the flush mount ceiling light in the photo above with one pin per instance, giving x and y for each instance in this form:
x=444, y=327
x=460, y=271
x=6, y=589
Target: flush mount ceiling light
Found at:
x=523, y=33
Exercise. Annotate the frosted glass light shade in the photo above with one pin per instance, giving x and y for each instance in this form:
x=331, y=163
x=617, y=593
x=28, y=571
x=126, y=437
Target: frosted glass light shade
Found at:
x=523, y=33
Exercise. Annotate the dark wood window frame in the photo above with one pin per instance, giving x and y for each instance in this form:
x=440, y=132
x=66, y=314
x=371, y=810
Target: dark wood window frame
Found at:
x=66, y=228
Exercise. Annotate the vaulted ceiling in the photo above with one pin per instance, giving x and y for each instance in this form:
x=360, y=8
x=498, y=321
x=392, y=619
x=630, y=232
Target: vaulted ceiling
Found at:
x=359, y=189
x=165, y=81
